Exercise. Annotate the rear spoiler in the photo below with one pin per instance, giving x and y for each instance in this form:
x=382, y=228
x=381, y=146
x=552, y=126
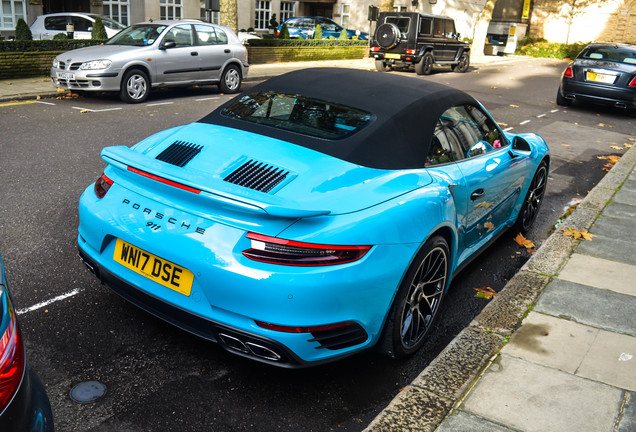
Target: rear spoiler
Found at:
x=227, y=193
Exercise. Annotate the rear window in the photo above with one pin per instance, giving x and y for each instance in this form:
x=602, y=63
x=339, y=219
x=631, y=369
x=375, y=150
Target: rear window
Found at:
x=610, y=53
x=300, y=114
x=401, y=22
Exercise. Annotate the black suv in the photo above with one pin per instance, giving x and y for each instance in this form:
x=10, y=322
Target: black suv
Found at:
x=405, y=39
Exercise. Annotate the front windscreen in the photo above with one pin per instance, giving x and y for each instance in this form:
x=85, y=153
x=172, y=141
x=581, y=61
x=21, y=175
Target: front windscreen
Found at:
x=300, y=114
x=613, y=53
x=112, y=24
x=137, y=35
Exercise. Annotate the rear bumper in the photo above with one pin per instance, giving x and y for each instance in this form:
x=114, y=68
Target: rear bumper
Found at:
x=30, y=409
x=598, y=94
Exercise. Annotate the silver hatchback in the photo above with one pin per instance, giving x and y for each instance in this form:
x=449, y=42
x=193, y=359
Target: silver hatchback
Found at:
x=155, y=54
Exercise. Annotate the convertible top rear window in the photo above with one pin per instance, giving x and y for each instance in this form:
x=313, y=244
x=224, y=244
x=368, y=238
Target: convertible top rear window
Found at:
x=301, y=114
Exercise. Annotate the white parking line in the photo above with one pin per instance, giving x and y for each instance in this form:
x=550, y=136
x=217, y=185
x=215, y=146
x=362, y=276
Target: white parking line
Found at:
x=524, y=122
x=159, y=103
x=541, y=115
x=205, y=99
x=48, y=302
x=92, y=110
x=508, y=128
x=554, y=110
x=45, y=103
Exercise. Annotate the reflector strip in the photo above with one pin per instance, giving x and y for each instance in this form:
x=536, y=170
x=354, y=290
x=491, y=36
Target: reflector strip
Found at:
x=164, y=180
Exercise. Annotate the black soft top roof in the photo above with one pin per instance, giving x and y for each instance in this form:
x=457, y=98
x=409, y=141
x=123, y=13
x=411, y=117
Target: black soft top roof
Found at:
x=406, y=111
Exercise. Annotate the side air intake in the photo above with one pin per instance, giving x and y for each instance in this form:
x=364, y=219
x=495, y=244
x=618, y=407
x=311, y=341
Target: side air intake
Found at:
x=257, y=175
x=179, y=153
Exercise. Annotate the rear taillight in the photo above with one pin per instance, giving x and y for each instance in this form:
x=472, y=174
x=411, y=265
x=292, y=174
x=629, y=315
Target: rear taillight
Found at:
x=375, y=49
x=569, y=73
x=12, y=361
x=410, y=51
x=102, y=184
x=633, y=82
x=291, y=329
x=287, y=252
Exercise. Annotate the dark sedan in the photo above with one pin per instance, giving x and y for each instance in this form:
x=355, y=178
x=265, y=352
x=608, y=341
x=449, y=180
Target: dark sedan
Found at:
x=603, y=74
x=24, y=405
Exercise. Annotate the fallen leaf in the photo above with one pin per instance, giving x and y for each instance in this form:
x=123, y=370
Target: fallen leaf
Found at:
x=485, y=292
x=502, y=124
x=85, y=111
x=60, y=90
x=617, y=148
x=632, y=139
x=524, y=242
x=576, y=234
x=565, y=145
x=627, y=145
x=494, y=87
x=490, y=226
x=484, y=204
x=38, y=98
x=601, y=125
x=514, y=106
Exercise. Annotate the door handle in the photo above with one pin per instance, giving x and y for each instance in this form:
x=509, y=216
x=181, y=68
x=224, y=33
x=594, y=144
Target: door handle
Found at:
x=478, y=194
x=226, y=50
x=194, y=53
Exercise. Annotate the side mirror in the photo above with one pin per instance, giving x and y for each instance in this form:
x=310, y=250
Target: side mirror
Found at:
x=520, y=144
x=167, y=45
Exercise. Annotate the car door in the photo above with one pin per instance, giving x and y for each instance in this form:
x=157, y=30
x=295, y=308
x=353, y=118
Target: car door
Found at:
x=53, y=25
x=329, y=28
x=493, y=176
x=178, y=63
x=439, y=40
x=213, y=51
x=82, y=27
x=452, y=45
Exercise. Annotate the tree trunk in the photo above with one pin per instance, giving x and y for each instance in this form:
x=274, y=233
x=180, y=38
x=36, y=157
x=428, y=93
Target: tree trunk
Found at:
x=386, y=5
x=481, y=29
x=228, y=15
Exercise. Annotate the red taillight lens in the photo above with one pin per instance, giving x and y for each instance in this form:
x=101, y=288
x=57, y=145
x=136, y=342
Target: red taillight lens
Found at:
x=633, y=83
x=102, y=185
x=569, y=73
x=287, y=252
x=410, y=51
x=164, y=180
x=12, y=361
x=375, y=49
x=289, y=329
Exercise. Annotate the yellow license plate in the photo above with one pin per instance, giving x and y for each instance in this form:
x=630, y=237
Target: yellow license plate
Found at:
x=392, y=56
x=598, y=77
x=154, y=268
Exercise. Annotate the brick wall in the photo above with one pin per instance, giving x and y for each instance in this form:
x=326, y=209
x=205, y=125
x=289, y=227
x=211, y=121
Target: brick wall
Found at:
x=261, y=55
x=26, y=64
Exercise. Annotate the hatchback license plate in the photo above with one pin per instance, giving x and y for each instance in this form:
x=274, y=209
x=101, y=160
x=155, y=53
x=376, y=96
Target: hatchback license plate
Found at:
x=392, y=56
x=66, y=75
x=599, y=77
x=154, y=268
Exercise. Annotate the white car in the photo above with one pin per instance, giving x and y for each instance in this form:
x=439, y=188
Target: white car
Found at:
x=47, y=26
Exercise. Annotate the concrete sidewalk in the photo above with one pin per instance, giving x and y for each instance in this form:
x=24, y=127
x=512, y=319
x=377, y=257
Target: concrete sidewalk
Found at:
x=556, y=349
x=31, y=88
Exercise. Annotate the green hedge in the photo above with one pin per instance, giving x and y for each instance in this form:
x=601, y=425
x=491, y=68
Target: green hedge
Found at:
x=544, y=49
x=46, y=45
x=305, y=42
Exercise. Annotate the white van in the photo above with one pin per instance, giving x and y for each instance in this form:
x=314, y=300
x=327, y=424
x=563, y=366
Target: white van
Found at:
x=47, y=26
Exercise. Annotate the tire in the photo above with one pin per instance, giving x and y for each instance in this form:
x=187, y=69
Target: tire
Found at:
x=422, y=292
x=387, y=35
x=135, y=86
x=464, y=63
x=533, y=200
x=381, y=66
x=425, y=65
x=230, y=80
x=561, y=101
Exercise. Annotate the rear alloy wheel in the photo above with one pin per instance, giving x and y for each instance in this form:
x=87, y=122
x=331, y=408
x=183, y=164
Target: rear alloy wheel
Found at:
x=134, y=87
x=561, y=101
x=230, y=80
x=534, y=199
x=464, y=63
x=418, y=300
x=425, y=65
x=381, y=66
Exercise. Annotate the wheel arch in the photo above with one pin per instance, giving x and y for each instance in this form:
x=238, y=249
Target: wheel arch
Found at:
x=140, y=66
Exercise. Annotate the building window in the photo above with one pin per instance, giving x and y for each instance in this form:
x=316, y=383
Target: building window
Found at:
x=287, y=10
x=345, y=15
x=262, y=14
x=170, y=9
x=12, y=11
x=117, y=10
x=210, y=16
x=399, y=8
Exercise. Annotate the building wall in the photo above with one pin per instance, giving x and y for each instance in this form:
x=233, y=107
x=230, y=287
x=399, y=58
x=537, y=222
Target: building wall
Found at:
x=600, y=20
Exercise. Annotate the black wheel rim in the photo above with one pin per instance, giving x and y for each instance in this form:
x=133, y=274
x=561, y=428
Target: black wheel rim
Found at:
x=463, y=63
x=428, y=64
x=424, y=297
x=535, y=197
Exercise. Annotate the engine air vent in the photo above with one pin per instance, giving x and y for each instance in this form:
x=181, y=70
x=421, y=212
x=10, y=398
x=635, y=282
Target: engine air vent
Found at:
x=257, y=175
x=179, y=153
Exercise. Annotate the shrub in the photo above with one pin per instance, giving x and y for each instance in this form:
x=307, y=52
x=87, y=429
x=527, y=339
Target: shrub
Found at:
x=22, y=31
x=99, y=31
x=318, y=32
x=60, y=36
x=343, y=34
x=544, y=49
x=284, y=32
x=305, y=42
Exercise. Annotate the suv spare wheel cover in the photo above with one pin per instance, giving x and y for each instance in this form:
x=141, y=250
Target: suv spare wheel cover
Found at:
x=387, y=35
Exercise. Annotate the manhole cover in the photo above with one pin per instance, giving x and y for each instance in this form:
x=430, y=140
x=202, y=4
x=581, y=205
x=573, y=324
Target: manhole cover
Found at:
x=88, y=391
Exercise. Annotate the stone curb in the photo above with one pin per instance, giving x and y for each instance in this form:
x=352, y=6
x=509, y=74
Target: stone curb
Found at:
x=445, y=382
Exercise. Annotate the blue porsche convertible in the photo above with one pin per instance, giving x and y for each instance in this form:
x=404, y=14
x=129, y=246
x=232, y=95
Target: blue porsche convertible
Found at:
x=318, y=214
